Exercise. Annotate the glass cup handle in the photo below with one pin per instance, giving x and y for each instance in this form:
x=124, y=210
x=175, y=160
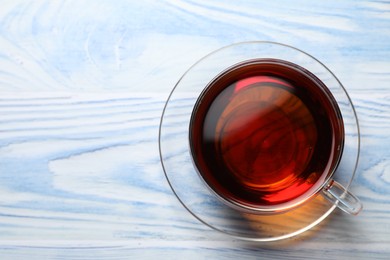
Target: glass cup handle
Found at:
x=341, y=197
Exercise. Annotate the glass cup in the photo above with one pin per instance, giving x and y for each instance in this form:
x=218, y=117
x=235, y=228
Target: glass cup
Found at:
x=257, y=69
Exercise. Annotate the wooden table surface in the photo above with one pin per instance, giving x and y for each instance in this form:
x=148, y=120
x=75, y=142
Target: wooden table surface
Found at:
x=82, y=88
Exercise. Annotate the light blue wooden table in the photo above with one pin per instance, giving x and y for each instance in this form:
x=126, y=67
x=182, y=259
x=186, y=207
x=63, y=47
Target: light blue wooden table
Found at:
x=82, y=88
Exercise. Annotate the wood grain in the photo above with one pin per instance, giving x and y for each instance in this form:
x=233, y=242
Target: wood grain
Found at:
x=84, y=169
x=82, y=88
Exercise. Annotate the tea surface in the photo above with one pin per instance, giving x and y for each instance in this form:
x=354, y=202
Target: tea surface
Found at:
x=264, y=134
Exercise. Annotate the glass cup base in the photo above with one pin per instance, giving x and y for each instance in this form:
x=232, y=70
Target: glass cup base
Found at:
x=182, y=175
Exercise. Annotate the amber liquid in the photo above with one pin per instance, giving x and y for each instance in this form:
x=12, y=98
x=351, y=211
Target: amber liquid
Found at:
x=265, y=133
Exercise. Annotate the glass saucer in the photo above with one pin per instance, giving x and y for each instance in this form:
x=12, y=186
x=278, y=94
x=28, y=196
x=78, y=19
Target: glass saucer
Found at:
x=183, y=177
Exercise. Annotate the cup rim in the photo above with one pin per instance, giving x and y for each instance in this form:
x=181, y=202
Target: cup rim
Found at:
x=328, y=171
